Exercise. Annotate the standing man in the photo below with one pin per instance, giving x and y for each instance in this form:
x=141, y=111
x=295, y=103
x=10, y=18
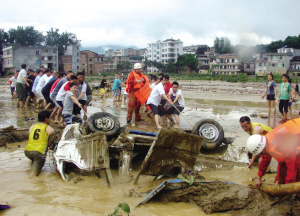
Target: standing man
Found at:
x=283, y=145
x=253, y=128
x=28, y=89
x=154, y=101
x=135, y=81
x=21, y=81
x=285, y=96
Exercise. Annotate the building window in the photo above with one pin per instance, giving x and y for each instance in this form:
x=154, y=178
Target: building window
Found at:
x=54, y=65
x=78, y=60
x=260, y=64
x=37, y=62
x=54, y=51
x=157, y=46
x=163, y=55
x=77, y=47
x=157, y=52
x=273, y=57
x=46, y=51
x=280, y=57
x=77, y=53
x=265, y=64
x=91, y=71
x=77, y=67
x=91, y=66
x=90, y=59
x=37, y=52
x=248, y=65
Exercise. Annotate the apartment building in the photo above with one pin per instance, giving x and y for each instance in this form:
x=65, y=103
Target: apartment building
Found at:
x=33, y=56
x=109, y=53
x=226, y=64
x=70, y=61
x=249, y=66
x=164, y=51
x=111, y=65
x=294, y=70
x=91, y=62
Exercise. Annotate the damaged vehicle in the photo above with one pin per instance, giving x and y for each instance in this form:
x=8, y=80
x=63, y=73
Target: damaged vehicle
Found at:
x=166, y=152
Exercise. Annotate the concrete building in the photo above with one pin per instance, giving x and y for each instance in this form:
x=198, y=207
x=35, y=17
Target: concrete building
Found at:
x=261, y=61
x=249, y=66
x=91, y=62
x=226, y=64
x=294, y=70
x=111, y=65
x=33, y=56
x=109, y=53
x=71, y=59
x=203, y=60
x=164, y=51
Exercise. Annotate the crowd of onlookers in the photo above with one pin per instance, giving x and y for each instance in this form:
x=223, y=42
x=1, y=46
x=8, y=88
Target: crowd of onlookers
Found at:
x=65, y=93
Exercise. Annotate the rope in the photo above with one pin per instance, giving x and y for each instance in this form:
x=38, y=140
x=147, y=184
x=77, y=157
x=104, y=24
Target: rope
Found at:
x=182, y=114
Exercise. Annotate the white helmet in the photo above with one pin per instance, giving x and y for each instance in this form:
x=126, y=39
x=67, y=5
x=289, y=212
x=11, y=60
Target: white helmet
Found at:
x=137, y=66
x=256, y=143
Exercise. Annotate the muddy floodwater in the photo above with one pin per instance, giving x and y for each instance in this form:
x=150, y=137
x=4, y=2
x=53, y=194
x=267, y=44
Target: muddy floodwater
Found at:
x=48, y=194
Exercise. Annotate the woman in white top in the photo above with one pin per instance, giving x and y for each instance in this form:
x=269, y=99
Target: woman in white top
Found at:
x=177, y=100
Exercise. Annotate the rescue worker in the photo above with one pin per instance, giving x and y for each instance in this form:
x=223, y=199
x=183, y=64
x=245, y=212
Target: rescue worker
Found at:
x=282, y=144
x=135, y=81
x=36, y=148
x=253, y=128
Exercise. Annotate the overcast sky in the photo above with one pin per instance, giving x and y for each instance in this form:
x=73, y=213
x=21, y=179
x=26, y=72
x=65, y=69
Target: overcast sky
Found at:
x=130, y=22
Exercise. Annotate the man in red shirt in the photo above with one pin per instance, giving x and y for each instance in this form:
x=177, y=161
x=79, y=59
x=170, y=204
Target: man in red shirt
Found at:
x=135, y=81
x=282, y=143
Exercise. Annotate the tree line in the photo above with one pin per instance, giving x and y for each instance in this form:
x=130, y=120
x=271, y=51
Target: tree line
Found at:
x=28, y=36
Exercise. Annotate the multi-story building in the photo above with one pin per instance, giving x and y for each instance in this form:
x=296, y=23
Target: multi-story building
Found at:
x=34, y=57
x=70, y=61
x=109, y=53
x=111, y=65
x=294, y=70
x=261, y=61
x=249, y=67
x=164, y=51
x=91, y=62
x=226, y=64
x=203, y=60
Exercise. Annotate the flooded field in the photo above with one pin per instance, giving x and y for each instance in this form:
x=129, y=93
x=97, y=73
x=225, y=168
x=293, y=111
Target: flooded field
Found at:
x=48, y=194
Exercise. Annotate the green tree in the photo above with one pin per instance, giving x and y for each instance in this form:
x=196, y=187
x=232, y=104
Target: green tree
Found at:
x=274, y=45
x=170, y=67
x=54, y=38
x=25, y=36
x=201, y=50
x=126, y=65
x=119, y=67
x=223, y=45
x=137, y=57
x=3, y=39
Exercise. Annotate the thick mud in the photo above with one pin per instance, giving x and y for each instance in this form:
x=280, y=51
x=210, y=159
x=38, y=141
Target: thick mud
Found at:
x=48, y=194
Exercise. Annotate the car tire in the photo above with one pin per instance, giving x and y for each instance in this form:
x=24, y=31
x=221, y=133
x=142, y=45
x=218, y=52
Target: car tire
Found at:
x=105, y=122
x=211, y=131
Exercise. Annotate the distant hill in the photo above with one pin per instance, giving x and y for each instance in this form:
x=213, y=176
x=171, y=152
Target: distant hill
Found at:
x=102, y=49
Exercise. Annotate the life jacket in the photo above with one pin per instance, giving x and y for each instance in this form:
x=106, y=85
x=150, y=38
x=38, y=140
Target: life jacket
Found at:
x=136, y=86
x=283, y=142
x=144, y=93
x=38, y=138
x=265, y=128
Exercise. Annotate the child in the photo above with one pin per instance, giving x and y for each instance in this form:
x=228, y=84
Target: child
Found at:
x=102, y=87
x=39, y=136
x=69, y=101
x=284, y=97
x=13, y=81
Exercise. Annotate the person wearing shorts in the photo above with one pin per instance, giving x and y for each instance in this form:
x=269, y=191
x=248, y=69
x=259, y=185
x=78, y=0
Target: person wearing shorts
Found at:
x=13, y=81
x=39, y=136
x=154, y=101
x=115, y=89
x=178, y=102
x=102, y=86
x=284, y=97
x=271, y=94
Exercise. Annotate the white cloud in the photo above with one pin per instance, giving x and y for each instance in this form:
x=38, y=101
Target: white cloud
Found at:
x=137, y=23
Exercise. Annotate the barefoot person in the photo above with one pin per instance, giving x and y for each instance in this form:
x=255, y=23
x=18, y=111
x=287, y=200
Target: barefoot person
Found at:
x=154, y=101
x=102, y=87
x=285, y=97
x=13, y=81
x=178, y=102
x=39, y=140
x=283, y=145
x=253, y=128
x=271, y=94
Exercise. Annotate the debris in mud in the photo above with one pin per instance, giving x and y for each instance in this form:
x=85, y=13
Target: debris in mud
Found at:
x=75, y=178
x=236, y=154
x=133, y=193
x=4, y=207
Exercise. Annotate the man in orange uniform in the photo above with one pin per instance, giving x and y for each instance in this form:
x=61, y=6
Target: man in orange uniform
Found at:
x=135, y=81
x=282, y=143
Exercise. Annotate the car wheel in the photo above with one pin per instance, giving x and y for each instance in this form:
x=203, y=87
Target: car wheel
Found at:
x=211, y=131
x=105, y=122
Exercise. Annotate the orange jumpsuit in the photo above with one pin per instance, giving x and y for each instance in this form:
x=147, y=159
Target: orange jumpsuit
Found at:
x=283, y=144
x=131, y=88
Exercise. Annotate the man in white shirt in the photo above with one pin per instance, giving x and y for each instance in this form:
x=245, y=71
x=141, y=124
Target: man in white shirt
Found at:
x=154, y=101
x=177, y=98
x=20, y=85
x=41, y=84
x=153, y=81
x=81, y=95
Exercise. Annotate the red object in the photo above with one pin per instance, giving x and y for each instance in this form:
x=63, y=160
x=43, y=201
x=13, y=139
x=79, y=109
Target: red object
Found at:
x=284, y=146
x=133, y=105
x=168, y=87
x=67, y=86
x=54, y=84
x=143, y=94
x=131, y=81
